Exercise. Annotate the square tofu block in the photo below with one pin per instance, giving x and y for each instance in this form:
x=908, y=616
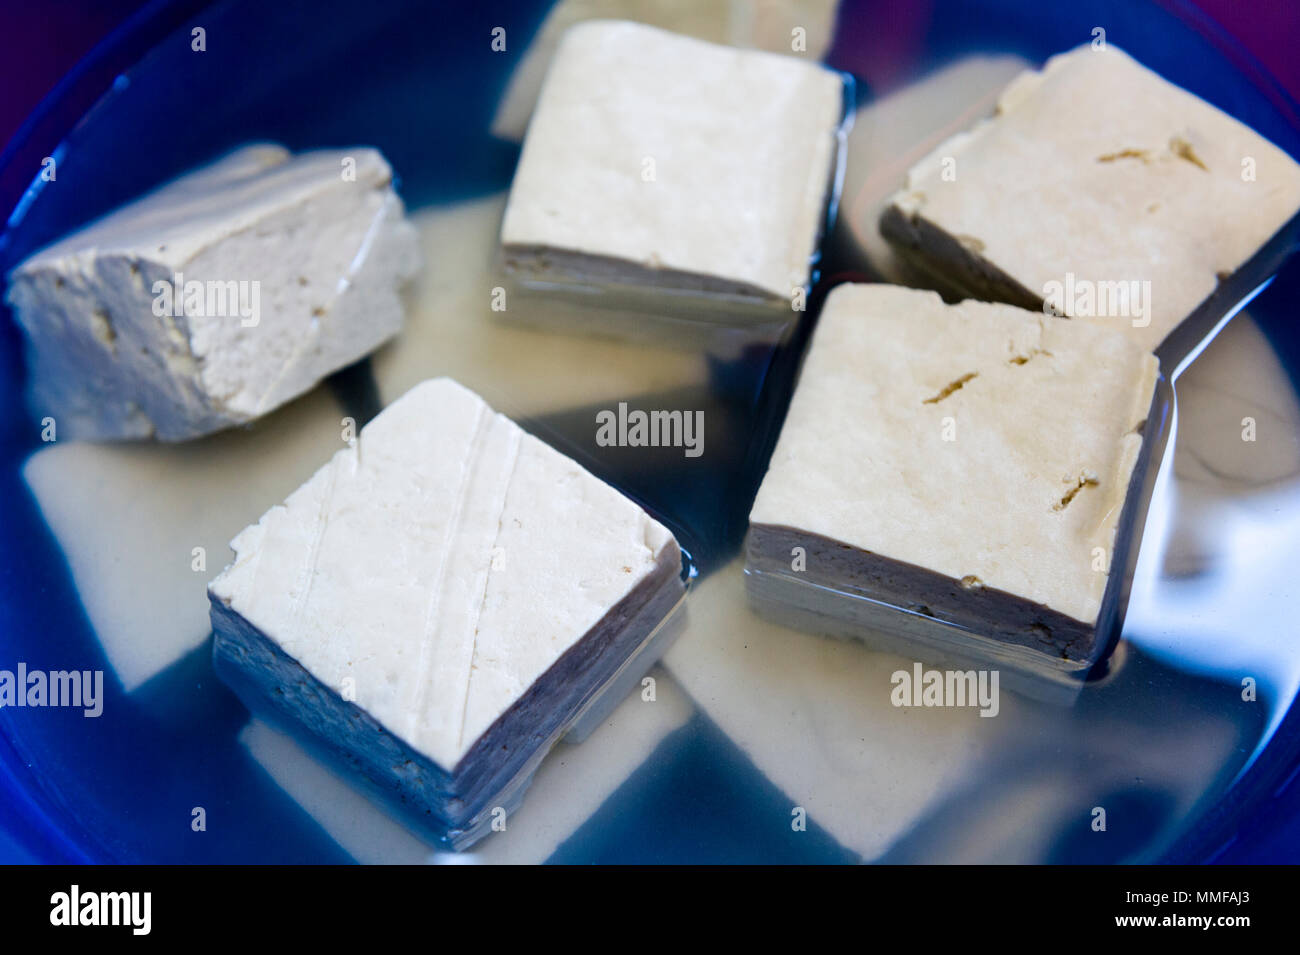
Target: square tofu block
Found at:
x=968, y=463
x=765, y=25
x=656, y=160
x=216, y=298
x=434, y=608
x=1099, y=189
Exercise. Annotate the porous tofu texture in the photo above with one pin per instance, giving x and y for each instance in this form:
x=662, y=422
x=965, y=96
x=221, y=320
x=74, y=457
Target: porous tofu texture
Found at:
x=663, y=159
x=289, y=268
x=1098, y=167
x=440, y=567
x=979, y=442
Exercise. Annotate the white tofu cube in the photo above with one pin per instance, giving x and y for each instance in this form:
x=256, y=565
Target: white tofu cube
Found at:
x=657, y=160
x=967, y=463
x=1098, y=189
x=218, y=297
x=801, y=28
x=436, y=605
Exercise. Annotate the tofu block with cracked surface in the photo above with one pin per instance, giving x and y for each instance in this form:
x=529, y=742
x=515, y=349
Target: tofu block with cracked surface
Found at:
x=216, y=298
x=1095, y=171
x=665, y=162
x=436, y=605
x=963, y=462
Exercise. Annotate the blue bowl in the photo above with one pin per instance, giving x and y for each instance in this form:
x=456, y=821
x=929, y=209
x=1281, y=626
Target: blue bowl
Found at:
x=420, y=82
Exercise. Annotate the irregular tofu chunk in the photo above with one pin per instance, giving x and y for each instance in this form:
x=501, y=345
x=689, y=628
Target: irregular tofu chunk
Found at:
x=968, y=463
x=1101, y=189
x=216, y=298
x=661, y=161
x=438, y=604
x=800, y=28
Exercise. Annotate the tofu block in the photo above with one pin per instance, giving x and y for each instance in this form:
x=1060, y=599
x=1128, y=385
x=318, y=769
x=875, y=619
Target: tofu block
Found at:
x=662, y=162
x=965, y=464
x=801, y=28
x=436, y=606
x=216, y=298
x=1095, y=176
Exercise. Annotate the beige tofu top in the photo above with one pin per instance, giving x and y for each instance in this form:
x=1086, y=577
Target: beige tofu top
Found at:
x=675, y=154
x=752, y=24
x=1098, y=166
x=974, y=440
x=443, y=564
